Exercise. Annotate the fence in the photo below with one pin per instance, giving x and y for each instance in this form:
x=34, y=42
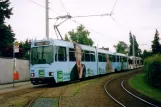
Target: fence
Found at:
x=6, y=70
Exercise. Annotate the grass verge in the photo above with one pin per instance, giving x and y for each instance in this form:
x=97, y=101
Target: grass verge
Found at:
x=139, y=83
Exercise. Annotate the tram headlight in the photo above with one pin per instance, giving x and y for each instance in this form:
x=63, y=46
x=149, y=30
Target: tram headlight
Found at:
x=32, y=74
x=51, y=73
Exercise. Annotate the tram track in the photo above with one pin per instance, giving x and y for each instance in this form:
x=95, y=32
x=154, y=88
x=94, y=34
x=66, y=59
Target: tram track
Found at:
x=34, y=98
x=61, y=95
x=44, y=94
x=117, y=91
x=16, y=94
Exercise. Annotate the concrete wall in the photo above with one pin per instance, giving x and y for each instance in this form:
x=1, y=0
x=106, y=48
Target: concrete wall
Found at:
x=6, y=70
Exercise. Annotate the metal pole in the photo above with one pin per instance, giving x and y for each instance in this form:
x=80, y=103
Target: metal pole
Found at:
x=47, y=21
x=13, y=64
x=97, y=58
x=133, y=53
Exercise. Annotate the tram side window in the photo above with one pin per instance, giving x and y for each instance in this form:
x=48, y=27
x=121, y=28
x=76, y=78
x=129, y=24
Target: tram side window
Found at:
x=61, y=52
x=104, y=58
x=118, y=59
x=87, y=56
x=124, y=59
x=137, y=61
x=72, y=54
x=110, y=58
x=92, y=54
x=130, y=61
x=121, y=59
x=83, y=56
x=100, y=57
x=113, y=58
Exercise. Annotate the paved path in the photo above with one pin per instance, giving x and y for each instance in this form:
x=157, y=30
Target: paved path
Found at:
x=17, y=86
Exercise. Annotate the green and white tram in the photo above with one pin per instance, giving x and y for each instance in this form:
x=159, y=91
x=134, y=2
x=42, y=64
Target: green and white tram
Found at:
x=54, y=61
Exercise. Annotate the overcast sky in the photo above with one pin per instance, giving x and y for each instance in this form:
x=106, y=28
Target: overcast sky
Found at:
x=141, y=17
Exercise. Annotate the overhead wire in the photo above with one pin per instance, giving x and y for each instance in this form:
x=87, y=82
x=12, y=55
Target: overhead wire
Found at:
x=64, y=7
x=43, y=6
x=114, y=6
x=115, y=19
x=93, y=15
x=106, y=14
x=92, y=29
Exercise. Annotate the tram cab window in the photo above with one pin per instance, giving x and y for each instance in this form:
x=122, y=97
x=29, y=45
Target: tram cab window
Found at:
x=60, y=54
x=72, y=54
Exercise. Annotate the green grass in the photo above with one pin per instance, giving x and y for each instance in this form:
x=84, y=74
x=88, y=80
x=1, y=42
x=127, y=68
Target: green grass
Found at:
x=139, y=83
x=79, y=86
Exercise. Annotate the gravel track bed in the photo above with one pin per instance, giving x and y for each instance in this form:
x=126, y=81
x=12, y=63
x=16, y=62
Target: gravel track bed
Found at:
x=88, y=93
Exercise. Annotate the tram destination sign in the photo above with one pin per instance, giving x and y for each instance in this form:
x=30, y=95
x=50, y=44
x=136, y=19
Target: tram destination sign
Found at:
x=41, y=43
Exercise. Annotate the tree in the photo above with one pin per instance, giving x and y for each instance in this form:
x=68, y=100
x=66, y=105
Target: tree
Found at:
x=146, y=54
x=5, y=11
x=24, y=49
x=6, y=33
x=156, y=48
x=131, y=44
x=121, y=47
x=66, y=38
x=80, y=36
x=136, y=46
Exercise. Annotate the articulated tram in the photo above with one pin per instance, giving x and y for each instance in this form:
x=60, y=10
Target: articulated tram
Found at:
x=54, y=61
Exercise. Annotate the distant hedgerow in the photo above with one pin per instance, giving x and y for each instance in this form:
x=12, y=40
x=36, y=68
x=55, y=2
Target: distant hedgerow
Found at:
x=152, y=67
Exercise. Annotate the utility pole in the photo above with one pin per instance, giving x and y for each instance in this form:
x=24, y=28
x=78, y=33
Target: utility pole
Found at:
x=47, y=20
x=133, y=53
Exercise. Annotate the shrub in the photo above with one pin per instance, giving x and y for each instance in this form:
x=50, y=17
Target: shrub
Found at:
x=152, y=67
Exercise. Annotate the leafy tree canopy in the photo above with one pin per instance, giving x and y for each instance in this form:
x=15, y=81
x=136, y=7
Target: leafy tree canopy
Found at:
x=121, y=47
x=5, y=11
x=81, y=35
x=146, y=54
x=6, y=33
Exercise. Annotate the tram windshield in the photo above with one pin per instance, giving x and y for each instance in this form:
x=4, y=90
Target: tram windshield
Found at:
x=42, y=55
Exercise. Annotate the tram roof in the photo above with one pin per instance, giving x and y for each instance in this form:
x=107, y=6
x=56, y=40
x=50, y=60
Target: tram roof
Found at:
x=119, y=54
x=104, y=51
x=65, y=44
x=131, y=57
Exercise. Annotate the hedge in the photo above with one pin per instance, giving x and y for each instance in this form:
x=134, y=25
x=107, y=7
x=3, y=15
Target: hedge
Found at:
x=152, y=67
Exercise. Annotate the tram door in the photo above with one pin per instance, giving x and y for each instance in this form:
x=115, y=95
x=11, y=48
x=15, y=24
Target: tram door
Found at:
x=61, y=64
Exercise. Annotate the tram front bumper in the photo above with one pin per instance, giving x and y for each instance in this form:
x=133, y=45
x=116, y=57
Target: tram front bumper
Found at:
x=46, y=80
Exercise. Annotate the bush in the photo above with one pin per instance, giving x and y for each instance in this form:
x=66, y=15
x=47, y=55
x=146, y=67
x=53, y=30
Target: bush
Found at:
x=152, y=67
